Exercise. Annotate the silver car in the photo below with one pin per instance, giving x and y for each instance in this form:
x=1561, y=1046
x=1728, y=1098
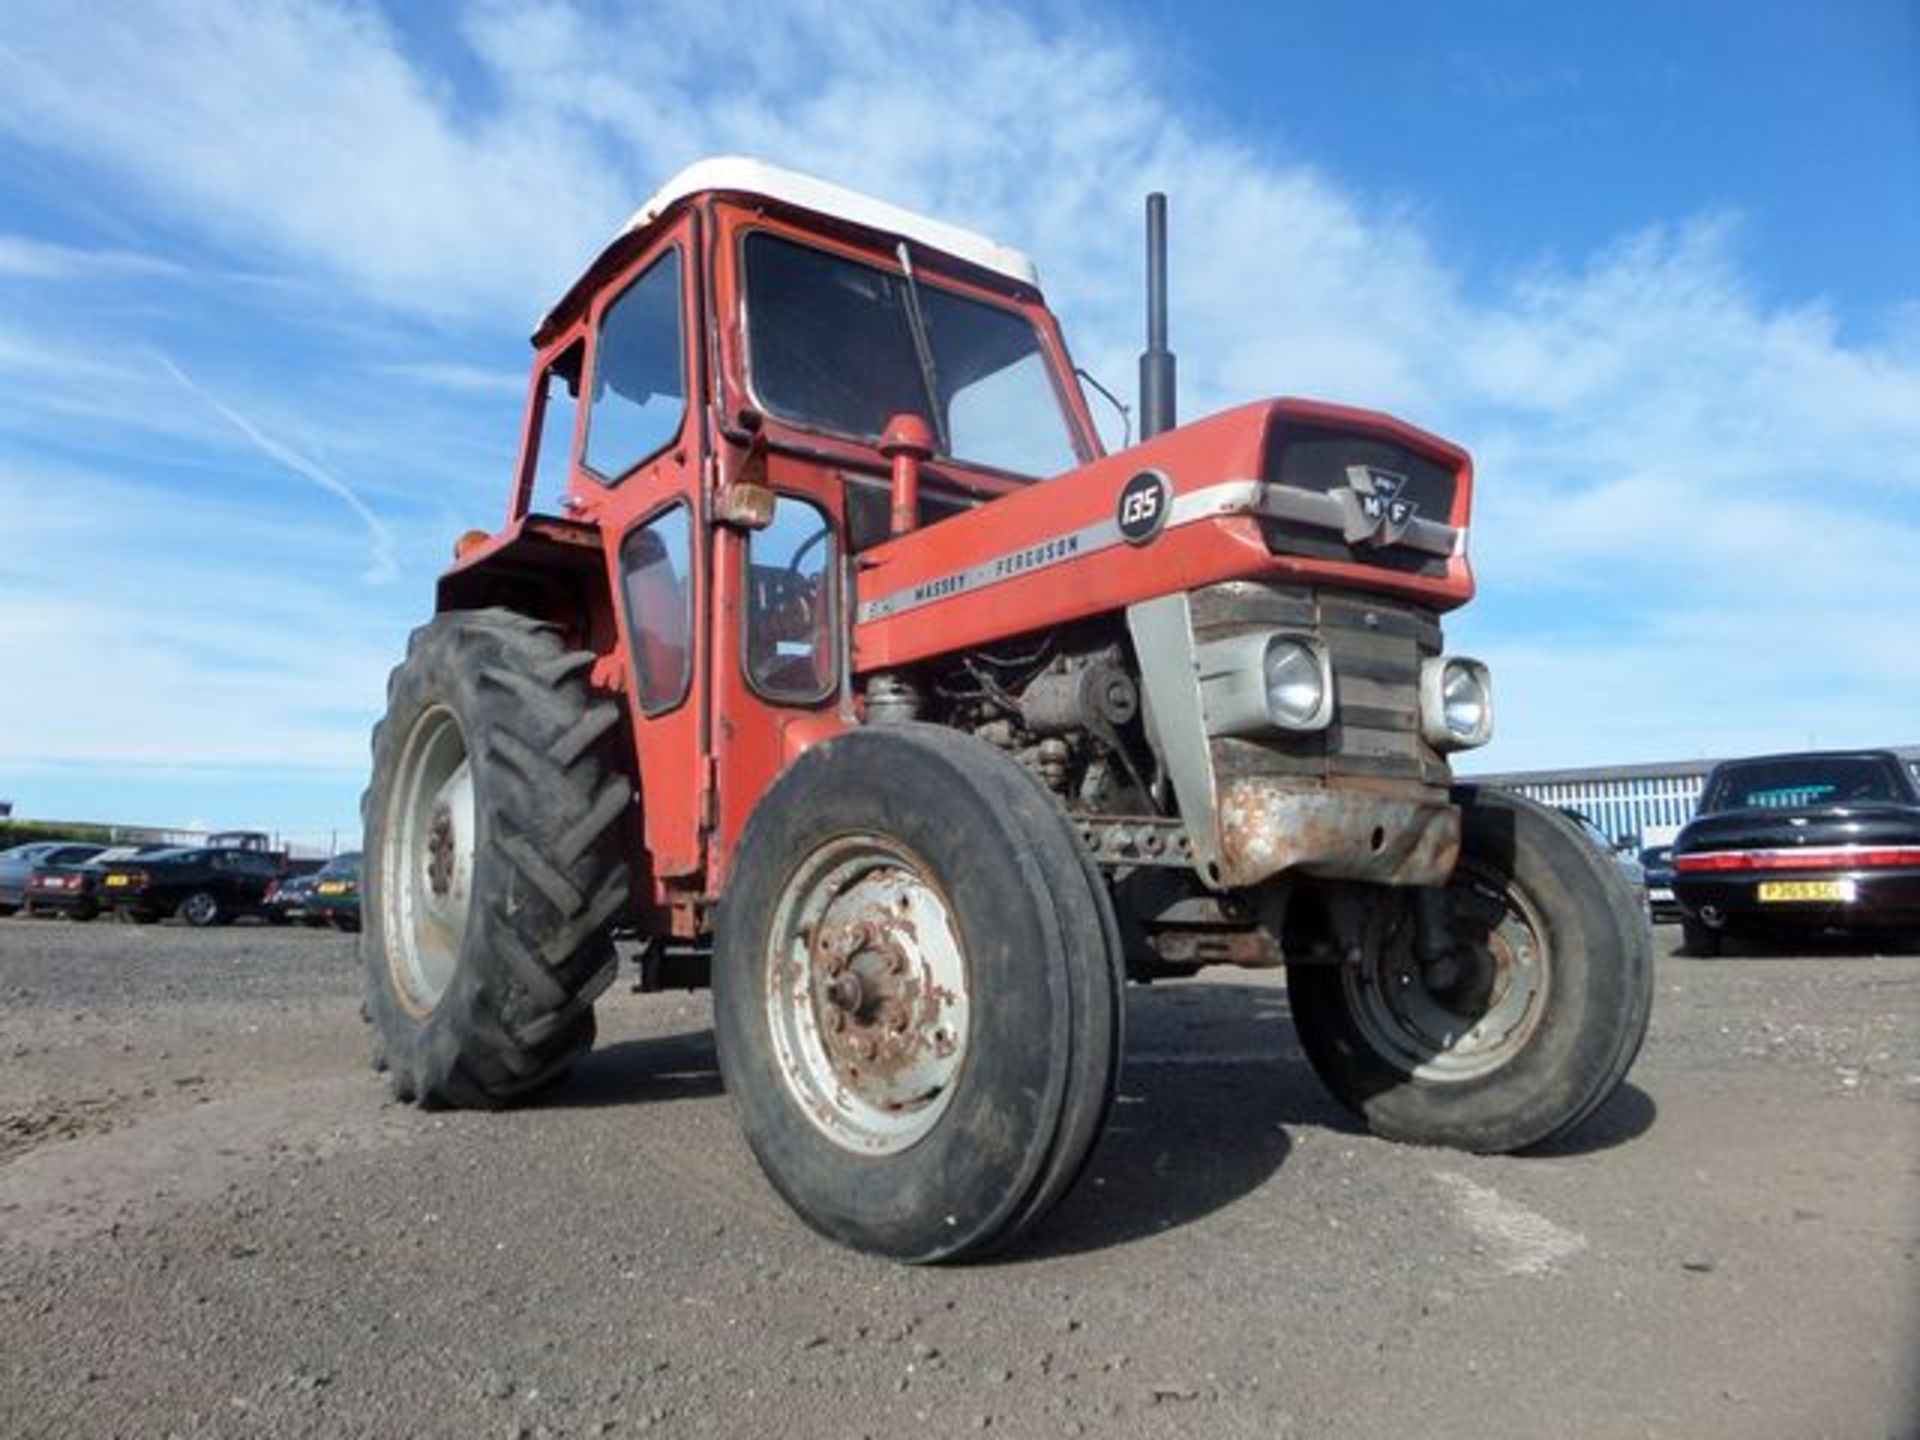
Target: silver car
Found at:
x=17, y=866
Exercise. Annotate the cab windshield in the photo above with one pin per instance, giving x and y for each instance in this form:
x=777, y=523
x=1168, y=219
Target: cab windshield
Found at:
x=831, y=346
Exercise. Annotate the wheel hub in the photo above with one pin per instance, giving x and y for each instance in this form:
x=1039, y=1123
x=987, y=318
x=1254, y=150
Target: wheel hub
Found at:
x=867, y=998
x=425, y=861
x=1465, y=1012
x=440, y=851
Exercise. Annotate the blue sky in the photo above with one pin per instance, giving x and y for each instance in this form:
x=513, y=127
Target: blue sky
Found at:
x=266, y=274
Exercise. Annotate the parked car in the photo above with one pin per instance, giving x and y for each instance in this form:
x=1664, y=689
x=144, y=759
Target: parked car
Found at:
x=1623, y=855
x=73, y=888
x=203, y=885
x=289, y=900
x=18, y=864
x=1657, y=863
x=1800, y=842
x=336, y=892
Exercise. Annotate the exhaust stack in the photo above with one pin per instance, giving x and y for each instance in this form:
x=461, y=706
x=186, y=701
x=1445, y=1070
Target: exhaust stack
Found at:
x=1156, y=362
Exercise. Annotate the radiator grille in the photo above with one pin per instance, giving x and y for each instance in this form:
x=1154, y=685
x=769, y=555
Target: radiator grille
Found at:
x=1309, y=458
x=1376, y=647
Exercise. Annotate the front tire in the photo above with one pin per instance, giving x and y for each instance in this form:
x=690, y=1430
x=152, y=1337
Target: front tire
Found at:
x=1529, y=1023
x=495, y=863
x=917, y=994
x=202, y=910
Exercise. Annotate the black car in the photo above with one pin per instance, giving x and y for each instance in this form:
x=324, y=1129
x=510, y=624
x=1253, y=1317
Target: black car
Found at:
x=18, y=864
x=1656, y=863
x=203, y=885
x=1801, y=842
x=72, y=888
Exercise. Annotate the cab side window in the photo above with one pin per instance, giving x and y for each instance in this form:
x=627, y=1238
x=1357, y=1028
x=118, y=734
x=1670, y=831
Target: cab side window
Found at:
x=790, y=603
x=639, y=383
x=657, y=563
x=553, y=455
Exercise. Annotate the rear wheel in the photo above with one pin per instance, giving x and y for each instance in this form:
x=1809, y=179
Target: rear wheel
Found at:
x=1525, y=1025
x=201, y=909
x=917, y=994
x=495, y=866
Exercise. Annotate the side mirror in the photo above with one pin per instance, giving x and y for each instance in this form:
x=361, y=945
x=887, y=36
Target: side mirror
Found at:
x=745, y=500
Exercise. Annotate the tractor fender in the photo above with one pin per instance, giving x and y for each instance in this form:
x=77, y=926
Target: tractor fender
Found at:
x=539, y=565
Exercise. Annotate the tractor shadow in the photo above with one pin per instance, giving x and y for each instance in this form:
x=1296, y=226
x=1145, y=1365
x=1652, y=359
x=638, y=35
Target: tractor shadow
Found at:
x=1214, y=1085
x=651, y=1071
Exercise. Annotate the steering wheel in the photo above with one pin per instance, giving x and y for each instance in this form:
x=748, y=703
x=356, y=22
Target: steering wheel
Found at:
x=811, y=543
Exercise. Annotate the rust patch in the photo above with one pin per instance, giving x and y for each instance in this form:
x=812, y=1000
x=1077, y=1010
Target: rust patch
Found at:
x=885, y=1012
x=1268, y=825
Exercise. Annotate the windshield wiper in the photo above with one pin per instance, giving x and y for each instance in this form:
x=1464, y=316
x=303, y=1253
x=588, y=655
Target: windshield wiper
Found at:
x=917, y=324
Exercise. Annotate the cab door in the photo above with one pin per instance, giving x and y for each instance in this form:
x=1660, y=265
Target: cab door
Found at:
x=636, y=470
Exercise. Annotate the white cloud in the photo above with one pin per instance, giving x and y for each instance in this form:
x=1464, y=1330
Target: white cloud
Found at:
x=22, y=257
x=459, y=378
x=381, y=566
x=1696, y=502
x=132, y=641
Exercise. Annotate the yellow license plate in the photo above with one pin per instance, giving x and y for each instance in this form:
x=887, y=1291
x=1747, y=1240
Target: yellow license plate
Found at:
x=113, y=880
x=333, y=887
x=1791, y=890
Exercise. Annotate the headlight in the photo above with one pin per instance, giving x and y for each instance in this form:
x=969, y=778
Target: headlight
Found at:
x=1296, y=685
x=1254, y=683
x=1456, y=703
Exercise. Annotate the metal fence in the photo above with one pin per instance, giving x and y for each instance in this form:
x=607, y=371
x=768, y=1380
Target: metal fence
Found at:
x=1625, y=808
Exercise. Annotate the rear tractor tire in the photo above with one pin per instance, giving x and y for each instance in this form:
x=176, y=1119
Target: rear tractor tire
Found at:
x=1527, y=1024
x=917, y=994
x=495, y=825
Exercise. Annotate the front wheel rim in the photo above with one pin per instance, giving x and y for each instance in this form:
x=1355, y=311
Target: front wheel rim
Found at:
x=867, y=997
x=1479, y=1018
x=426, y=860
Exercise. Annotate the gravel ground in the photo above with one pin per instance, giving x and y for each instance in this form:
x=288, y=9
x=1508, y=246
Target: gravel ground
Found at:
x=212, y=1222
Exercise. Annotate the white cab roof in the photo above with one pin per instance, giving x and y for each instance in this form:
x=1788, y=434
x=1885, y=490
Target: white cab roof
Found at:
x=757, y=177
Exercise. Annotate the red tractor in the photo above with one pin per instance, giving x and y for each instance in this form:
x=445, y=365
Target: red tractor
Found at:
x=856, y=680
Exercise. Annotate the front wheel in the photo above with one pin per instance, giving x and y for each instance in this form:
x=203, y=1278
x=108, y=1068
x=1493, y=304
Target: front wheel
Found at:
x=1521, y=1025
x=917, y=994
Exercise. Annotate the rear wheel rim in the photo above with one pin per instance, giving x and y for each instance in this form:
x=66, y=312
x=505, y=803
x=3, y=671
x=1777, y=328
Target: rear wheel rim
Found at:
x=426, y=860
x=1472, y=1017
x=201, y=908
x=867, y=998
